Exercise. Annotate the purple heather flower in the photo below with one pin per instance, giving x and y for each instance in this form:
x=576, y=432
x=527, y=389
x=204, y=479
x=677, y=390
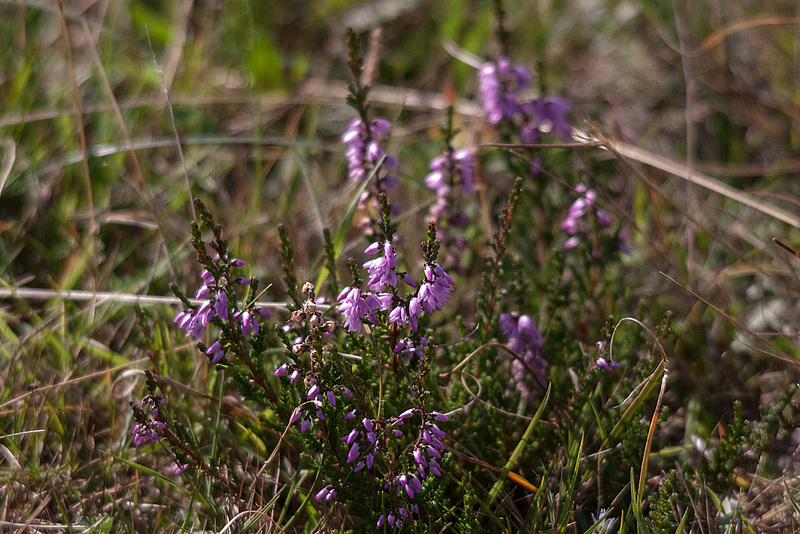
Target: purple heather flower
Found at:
x=576, y=225
x=435, y=289
x=458, y=166
x=355, y=307
x=408, y=413
x=545, y=115
x=436, y=431
x=351, y=437
x=572, y=242
x=433, y=452
x=221, y=305
x=554, y=119
x=498, y=85
x=525, y=340
x=608, y=365
x=215, y=351
x=353, y=453
x=364, y=149
x=434, y=467
x=263, y=312
x=144, y=432
x=326, y=493
x=406, y=278
x=381, y=270
x=401, y=317
x=412, y=349
x=248, y=323
x=203, y=292
x=295, y=415
x=177, y=469
x=149, y=429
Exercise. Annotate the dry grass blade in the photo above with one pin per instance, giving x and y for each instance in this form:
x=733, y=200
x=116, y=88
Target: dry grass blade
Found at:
x=682, y=171
x=650, y=433
x=26, y=293
x=90, y=376
x=718, y=36
x=781, y=354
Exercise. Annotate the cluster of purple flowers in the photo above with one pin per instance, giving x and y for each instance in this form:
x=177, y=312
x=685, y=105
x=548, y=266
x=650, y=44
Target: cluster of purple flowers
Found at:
x=412, y=348
x=148, y=428
x=545, y=115
x=524, y=339
x=364, y=152
x=328, y=493
x=215, y=303
x=453, y=170
x=396, y=517
x=433, y=291
x=354, y=306
x=366, y=441
x=316, y=396
x=607, y=364
x=426, y=451
x=498, y=85
x=370, y=437
x=318, y=392
x=499, y=90
x=577, y=223
x=449, y=170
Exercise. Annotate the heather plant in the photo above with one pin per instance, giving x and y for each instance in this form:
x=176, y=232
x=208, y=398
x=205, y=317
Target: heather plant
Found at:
x=423, y=299
x=392, y=398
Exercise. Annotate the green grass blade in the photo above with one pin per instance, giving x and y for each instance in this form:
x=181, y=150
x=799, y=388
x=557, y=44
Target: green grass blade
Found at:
x=633, y=404
x=566, y=494
x=682, y=524
x=517, y=450
x=636, y=507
